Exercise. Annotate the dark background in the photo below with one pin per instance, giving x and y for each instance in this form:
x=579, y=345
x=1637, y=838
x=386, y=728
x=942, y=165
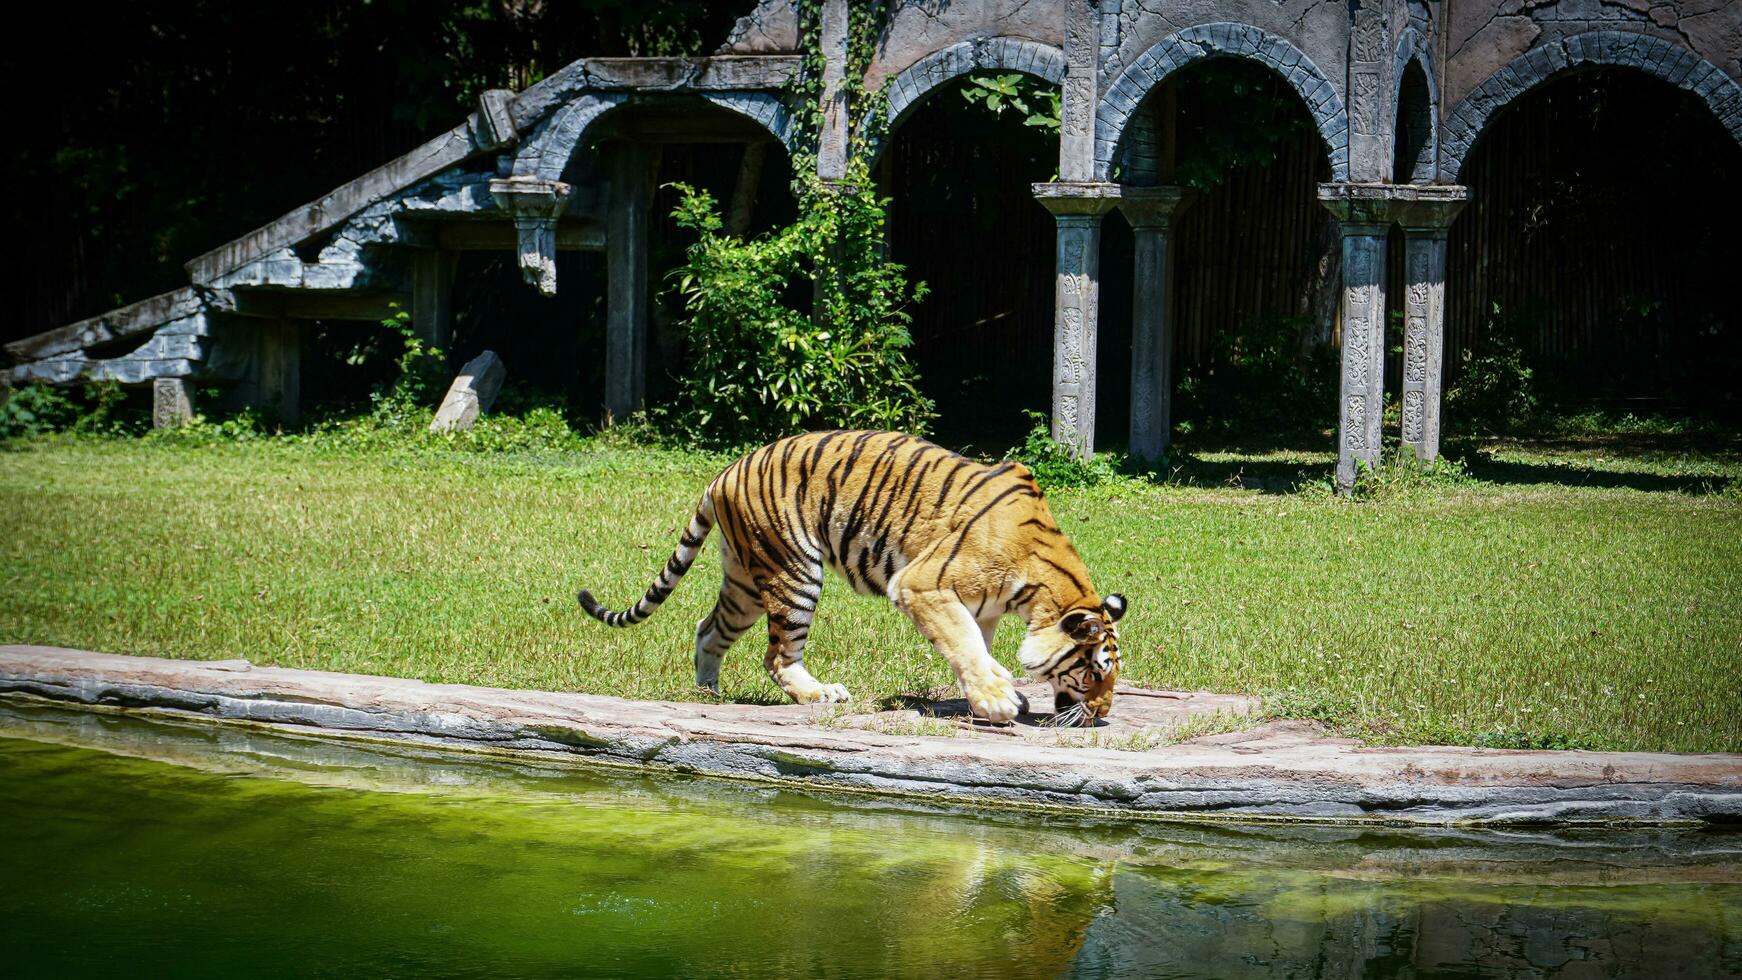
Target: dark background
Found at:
x=1601, y=234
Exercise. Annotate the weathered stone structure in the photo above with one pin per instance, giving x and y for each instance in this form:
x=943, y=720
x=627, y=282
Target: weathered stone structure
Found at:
x=1400, y=91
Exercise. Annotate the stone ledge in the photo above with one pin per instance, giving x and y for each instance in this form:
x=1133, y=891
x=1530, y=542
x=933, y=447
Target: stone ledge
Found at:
x=1277, y=771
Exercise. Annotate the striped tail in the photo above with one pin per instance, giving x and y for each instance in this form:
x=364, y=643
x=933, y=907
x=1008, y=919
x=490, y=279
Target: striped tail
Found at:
x=679, y=563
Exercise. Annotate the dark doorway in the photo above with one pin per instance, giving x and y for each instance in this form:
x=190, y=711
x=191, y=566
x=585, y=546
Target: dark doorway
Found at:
x=964, y=220
x=1255, y=264
x=1601, y=239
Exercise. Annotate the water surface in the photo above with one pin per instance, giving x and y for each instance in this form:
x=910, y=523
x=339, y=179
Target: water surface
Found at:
x=155, y=848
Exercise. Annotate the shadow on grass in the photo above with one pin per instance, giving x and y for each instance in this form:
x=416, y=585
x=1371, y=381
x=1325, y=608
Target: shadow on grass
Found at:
x=1276, y=476
x=1566, y=460
x=1573, y=474
x=1261, y=463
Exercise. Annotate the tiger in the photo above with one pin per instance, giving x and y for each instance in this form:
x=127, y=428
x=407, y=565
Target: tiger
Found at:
x=955, y=544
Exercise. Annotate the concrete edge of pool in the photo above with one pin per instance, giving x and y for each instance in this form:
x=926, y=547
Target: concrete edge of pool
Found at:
x=1273, y=772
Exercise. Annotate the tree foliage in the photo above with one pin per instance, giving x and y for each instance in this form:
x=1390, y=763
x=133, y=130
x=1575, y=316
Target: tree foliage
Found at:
x=160, y=129
x=1036, y=99
x=802, y=328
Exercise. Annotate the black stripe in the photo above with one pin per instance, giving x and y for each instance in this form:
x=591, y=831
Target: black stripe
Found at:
x=944, y=490
x=1082, y=587
x=989, y=476
x=962, y=535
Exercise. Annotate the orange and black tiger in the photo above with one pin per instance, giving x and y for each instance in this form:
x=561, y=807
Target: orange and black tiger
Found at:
x=956, y=545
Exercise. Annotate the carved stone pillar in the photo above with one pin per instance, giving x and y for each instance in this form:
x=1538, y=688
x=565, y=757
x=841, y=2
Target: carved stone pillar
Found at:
x=1426, y=217
x=1078, y=94
x=1364, y=211
x=1369, y=92
x=535, y=204
x=1077, y=207
x=172, y=403
x=626, y=309
x=1151, y=210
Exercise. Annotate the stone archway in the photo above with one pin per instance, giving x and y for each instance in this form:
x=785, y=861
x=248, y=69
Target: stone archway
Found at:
x=1416, y=118
x=908, y=89
x=546, y=153
x=1224, y=40
x=1661, y=59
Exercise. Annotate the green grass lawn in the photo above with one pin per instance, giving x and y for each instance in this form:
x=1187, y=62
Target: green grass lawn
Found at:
x=1576, y=594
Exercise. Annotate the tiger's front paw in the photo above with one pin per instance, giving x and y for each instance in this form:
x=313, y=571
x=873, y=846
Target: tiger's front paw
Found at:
x=995, y=699
x=822, y=694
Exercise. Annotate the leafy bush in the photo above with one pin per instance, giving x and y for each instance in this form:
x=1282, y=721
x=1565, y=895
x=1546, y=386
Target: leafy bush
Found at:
x=1053, y=464
x=1399, y=473
x=1261, y=377
x=801, y=328
x=244, y=426
x=90, y=408
x=1494, y=391
x=36, y=409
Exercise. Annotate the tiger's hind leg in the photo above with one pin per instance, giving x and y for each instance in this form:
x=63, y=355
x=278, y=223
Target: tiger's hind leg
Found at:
x=791, y=601
x=736, y=610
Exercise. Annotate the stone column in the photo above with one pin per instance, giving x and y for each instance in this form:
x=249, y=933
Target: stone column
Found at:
x=432, y=309
x=1364, y=211
x=833, y=139
x=1426, y=216
x=1077, y=207
x=1369, y=92
x=1078, y=93
x=172, y=403
x=1151, y=210
x=536, y=204
x=626, y=270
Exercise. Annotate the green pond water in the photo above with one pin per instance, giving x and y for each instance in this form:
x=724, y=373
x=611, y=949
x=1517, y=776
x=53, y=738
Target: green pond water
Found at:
x=151, y=848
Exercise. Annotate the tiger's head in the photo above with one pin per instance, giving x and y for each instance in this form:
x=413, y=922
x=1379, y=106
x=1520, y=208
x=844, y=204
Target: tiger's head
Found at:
x=1079, y=657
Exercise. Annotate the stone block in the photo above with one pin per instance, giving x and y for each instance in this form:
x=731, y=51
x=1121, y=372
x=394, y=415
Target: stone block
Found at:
x=171, y=403
x=473, y=392
x=1679, y=69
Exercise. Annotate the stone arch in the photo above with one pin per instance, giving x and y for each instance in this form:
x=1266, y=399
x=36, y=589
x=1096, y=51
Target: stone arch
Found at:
x=1415, y=163
x=918, y=80
x=1221, y=40
x=768, y=110
x=545, y=154
x=1656, y=57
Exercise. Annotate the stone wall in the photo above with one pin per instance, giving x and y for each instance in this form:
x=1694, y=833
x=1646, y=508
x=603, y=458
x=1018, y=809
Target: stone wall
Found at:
x=1482, y=38
x=523, y=172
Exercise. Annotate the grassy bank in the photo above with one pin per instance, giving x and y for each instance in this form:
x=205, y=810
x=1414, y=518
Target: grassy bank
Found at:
x=1575, y=596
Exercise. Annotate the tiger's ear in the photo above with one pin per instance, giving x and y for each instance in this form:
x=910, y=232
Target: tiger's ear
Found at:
x=1082, y=626
x=1114, y=607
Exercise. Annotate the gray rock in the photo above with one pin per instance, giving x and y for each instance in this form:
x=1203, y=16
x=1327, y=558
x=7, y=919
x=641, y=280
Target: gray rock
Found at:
x=1280, y=770
x=471, y=394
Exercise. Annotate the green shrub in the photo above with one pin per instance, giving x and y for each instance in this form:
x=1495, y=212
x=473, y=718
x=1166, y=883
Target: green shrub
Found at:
x=801, y=328
x=1494, y=391
x=36, y=409
x=1261, y=377
x=244, y=426
x=1399, y=473
x=90, y=408
x=1053, y=464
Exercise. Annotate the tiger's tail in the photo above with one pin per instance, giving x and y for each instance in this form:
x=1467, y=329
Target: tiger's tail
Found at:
x=687, y=548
